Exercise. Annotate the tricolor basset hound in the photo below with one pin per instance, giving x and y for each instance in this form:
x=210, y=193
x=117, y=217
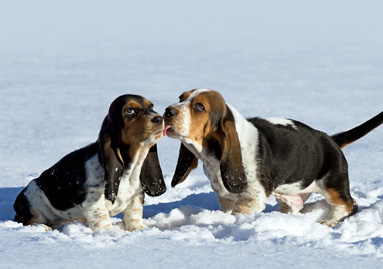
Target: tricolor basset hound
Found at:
x=247, y=160
x=104, y=178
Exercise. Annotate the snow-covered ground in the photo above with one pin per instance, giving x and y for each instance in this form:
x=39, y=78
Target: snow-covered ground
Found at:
x=63, y=62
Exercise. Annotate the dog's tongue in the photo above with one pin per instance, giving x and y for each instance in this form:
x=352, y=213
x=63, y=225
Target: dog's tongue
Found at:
x=166, y=128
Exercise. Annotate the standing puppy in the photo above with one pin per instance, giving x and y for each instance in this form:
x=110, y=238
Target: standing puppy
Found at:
x=103, y=179
x=247, y=160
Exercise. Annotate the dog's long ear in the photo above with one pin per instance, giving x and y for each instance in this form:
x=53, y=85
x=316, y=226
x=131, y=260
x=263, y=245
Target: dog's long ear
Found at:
x=151, y=177
x=186, y=162
x=232, y=171
x=111, y=160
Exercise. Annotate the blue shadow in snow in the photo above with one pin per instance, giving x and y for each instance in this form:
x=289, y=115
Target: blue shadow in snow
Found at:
x=7, y=198
x=377, y=241
x=202, y=200
x=207, y=201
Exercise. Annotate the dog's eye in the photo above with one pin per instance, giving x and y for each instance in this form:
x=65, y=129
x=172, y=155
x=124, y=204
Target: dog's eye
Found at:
x=199, y=107
x=131, y=111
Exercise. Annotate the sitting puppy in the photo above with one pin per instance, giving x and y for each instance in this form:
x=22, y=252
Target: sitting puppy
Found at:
x=247, y=160
x=103, y=179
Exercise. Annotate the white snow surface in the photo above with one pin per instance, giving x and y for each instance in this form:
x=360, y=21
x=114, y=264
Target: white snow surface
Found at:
x=63, y=62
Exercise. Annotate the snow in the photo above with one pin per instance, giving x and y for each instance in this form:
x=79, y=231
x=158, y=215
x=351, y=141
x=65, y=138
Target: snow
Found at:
x=63, y=63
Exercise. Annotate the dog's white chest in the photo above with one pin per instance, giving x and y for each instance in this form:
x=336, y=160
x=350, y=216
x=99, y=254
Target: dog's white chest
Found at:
x=129, y=186
x=248, y=138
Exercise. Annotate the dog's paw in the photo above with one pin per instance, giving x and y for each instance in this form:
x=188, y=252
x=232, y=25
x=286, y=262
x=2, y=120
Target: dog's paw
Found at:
x=134, y=226
x=329, y=223
x=46, y=227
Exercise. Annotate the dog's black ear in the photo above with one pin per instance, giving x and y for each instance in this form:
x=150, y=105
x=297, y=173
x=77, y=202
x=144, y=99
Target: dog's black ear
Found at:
x=231, y=166
x=111, y=159
x=151, y=177
x=186, y=162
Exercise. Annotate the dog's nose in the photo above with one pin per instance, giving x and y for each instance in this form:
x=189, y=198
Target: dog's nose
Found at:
x=157, y=119
x=170, y=112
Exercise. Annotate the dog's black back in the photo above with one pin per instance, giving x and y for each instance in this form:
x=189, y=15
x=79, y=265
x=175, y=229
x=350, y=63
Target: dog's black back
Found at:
x=295, y=153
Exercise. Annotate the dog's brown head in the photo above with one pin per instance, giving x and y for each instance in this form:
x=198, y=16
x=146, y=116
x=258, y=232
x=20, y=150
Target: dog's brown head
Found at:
x=206, y=127
x=131, y=124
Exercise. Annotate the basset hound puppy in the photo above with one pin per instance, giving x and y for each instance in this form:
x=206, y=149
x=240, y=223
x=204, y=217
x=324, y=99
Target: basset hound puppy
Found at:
x=104, y=178
x=247, y=160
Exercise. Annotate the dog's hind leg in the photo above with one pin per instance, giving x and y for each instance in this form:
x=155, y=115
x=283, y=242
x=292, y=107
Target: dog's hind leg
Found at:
x=26, y=214
x=340, y=200
x=46, y=227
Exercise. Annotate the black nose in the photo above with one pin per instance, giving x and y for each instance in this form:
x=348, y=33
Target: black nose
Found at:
x=157, y=120
x=170, y=112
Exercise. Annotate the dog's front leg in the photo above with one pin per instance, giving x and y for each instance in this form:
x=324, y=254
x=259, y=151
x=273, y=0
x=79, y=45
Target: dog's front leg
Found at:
x=250, y=204
x=133, y=214
x=226, y=205
x=96, y=213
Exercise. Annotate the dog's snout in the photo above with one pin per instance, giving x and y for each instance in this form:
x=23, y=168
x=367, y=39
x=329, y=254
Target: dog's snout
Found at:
x=170, y=112
x=157, y=119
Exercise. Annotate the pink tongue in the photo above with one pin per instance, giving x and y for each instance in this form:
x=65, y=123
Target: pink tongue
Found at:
x=166, y=128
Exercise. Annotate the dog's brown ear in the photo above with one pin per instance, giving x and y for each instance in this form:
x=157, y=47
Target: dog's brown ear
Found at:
x=186, y=163
x=151, y=177
x=232, y=171
x=111, y=159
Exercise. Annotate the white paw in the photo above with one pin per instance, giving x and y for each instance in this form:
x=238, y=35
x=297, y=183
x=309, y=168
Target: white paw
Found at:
x=133, y=226
x=329, y=223
x=46, y=227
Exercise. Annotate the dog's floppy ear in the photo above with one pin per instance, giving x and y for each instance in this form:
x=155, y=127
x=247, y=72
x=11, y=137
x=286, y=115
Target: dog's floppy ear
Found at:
x=232, y=171
x=111, y=159
x=151, y=177
x=186, y=162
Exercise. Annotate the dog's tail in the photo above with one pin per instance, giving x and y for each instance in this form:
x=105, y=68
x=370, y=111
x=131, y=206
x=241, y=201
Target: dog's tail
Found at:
x=345, y=138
